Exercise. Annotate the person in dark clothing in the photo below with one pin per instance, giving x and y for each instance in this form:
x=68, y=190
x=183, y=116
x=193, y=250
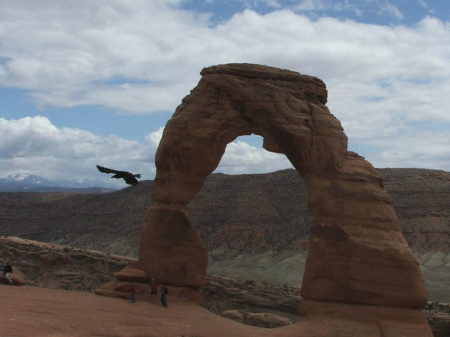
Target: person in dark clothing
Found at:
x=163, y=293
x=8, y=273
x=132, y=291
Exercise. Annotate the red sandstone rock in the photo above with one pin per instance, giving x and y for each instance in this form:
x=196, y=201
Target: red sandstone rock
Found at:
x=357, y=253
x=170, y=249
x=132, y=273
x=263, y=320
x=39, y=312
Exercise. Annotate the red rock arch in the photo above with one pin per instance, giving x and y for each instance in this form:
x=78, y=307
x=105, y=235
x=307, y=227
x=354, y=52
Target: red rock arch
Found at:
x=357, y=252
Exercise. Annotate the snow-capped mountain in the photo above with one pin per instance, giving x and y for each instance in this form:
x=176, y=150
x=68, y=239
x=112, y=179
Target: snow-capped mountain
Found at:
x=26, y=178
x=26, y=182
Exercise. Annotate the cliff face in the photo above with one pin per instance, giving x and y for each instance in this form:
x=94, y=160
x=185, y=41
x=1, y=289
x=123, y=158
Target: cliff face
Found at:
x=106, y=222
x=48, y=265
x=268, y=212
x=233, y=214
x=421, y=199
x=252, y=213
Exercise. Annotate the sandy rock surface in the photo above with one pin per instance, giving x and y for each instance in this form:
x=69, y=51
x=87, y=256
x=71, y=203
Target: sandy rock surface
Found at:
x=40, y=312
x=32, y=311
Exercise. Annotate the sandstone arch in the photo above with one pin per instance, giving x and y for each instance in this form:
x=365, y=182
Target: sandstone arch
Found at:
x=357, y=252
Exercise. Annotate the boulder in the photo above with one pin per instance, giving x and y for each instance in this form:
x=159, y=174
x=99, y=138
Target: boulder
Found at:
x=132, y=273
x=262, y=320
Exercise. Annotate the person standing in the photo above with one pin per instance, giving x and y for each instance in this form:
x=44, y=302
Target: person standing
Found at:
x=163, y=293
x=153, y=288
x=8, y=273
x=132, y=291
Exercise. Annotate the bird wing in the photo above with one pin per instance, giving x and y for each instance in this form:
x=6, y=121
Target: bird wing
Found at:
x=129, y=178
x=107, y=170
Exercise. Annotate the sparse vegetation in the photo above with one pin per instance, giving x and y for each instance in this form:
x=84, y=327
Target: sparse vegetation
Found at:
x=438, y=307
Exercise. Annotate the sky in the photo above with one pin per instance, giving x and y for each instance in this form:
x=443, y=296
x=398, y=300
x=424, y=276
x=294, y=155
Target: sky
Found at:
x=94, y=82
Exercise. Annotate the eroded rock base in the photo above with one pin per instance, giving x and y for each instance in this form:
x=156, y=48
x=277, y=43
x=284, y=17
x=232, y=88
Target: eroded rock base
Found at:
x=363, y=320
x=132, y=274
x=170, y=249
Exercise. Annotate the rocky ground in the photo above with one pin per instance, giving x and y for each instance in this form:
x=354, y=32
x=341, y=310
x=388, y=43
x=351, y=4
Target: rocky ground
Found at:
x=52, y=303
x=41, y=312
x=61, y=267
x=440, y=324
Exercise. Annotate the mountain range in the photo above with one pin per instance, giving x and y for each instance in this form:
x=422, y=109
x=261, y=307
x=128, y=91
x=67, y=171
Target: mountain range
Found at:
x=26, y=182
x=256, y=226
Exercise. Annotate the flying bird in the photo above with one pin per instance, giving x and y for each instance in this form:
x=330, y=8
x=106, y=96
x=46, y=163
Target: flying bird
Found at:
x=129, y=178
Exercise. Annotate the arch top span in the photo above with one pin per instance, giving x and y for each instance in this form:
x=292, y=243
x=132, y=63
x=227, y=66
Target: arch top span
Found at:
x=286, y=108
x=357, y=253
x=312, y=86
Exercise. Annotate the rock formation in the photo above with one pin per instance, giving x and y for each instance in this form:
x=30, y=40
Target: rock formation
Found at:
x=357, y=253
x=262, y=320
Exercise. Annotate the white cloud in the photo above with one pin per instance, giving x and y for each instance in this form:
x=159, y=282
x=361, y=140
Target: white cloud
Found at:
x=422, y=3
x=326, y=5
x=426, y=149
x=274, y=4
x=383, y=81
x=69, y=54
x=154, y=138
x=144, y=59
x=359, y=8
x=35, y=145
x=240, y=158
x=389, y=8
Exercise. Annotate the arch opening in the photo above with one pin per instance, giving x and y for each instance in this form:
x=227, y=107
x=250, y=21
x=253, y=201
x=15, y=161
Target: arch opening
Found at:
x=246, y=154
x=269, y=242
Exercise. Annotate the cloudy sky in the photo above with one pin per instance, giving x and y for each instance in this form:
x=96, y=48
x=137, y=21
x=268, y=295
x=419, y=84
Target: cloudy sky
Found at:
x=94, y=82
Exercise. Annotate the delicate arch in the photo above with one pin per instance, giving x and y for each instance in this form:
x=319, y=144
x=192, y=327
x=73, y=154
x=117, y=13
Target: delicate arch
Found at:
x=357, y=252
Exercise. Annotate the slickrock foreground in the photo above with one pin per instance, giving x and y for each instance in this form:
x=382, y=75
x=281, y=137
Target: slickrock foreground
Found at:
x=41, y=312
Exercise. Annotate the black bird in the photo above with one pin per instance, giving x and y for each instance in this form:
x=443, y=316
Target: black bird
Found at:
x=129, y=178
